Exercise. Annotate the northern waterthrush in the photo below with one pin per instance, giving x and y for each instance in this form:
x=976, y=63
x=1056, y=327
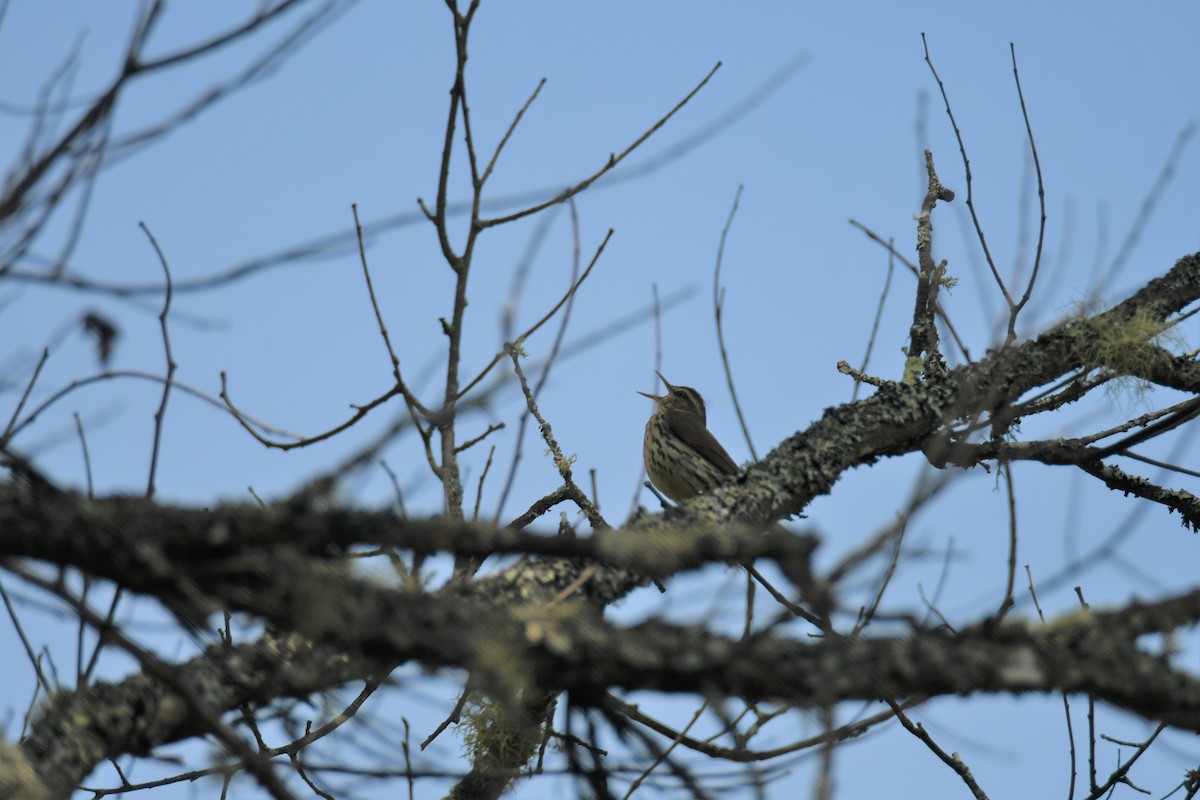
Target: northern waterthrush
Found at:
x=683, y=458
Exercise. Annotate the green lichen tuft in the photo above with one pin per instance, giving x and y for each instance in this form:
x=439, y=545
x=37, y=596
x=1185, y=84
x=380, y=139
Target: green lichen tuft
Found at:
x=1129, y=347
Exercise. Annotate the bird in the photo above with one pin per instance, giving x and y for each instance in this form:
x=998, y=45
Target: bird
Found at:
x=683, y=459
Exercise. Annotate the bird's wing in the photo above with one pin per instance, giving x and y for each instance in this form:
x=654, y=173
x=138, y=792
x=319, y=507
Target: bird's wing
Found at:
x=689, y=428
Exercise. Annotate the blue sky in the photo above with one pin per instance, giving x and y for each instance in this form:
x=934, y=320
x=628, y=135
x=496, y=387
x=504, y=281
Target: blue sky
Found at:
x=357, y=117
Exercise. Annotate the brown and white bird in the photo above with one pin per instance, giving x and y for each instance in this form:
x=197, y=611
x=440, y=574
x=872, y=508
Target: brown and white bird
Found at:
x=683, y=459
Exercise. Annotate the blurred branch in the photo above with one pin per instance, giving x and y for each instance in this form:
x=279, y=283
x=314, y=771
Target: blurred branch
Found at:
x=36, y=188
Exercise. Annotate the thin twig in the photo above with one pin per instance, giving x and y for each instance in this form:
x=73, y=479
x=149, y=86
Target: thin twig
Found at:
x=1011, y=491
x=11, y=429
x=1091, y=715
x=793, y=608
x=324, y=245
x=613, y=160
x=101, y=640
x=1120, y=775
x=360, y=411
x=962, y=148
x=454, y=717
x=1161, y=464
x=887, y=285
x=868, y=614
x=1140, y=222
x=87, y=460
x=171, y=365
x=718, y=309
x=860, y=377
x=469, y=443
x=409, y=397
x=396, y=491
x=824, y=776
x=741, y=755
x=1066, y=700
x=1014, y=310
x=84, y=147
x=508, y=133
x=953, y=761
x=479, y=491
x=663, y=755
x=548, y=362
x=937, y=306
x=79, y=383
x=16, y=621
x=303, y=773
x=928, y=486
x=533, y=328
x=561, y=463
x=521, y=270
x=408, y=769
x=931, y=608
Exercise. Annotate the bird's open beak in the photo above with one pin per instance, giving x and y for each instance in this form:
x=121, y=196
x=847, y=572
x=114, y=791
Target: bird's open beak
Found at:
x=658, y=397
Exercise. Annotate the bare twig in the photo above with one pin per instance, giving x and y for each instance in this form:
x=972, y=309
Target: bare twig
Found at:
x=742, y=755
x=87, y=460
x=469, y=443
x=927, y=486
x=561, y=462
x=665, y=753
x=101, y=633
x=793, y=608
x=547, y=364
x=409, y=397
x=1065, y=698
x=962, y=148
x=1014, y=310
x=360, y=411
x=718, y=308
x=11, y=429
x=953, y=761
x=397, y=492
x=887, y=284
x=171, y=365
x=521, y=270
x=330, y=244
x=79, y=152
x=20, y=629
x=1007, y=602
x=508, y=133
x=1139, y=224
x=613, y=160
x=408, y=768
x=482, y=477
x=865, y=616
x=79, y=383
x=860, y=377
x=454, y=716
x=912, y=268
x=533, y=328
